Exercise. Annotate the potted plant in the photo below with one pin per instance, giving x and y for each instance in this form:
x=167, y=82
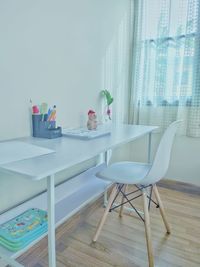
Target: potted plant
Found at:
x=109, y=101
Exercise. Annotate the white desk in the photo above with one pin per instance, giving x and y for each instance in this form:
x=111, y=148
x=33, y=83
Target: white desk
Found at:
x=70, y=152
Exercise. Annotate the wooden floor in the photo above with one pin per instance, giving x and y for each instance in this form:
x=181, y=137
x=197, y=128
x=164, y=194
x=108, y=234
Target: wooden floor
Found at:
x=122, y=240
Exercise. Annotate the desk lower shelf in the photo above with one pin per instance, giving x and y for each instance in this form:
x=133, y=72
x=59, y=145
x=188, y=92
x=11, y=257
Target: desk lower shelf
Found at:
x=70, y=196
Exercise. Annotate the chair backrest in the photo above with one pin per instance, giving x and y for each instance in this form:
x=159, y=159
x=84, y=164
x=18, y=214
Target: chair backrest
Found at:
x=162, y=157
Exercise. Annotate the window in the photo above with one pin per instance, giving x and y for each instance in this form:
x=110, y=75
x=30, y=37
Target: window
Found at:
x=167, y=58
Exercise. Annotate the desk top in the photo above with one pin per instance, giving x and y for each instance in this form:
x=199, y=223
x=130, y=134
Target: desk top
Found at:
x=70, y=152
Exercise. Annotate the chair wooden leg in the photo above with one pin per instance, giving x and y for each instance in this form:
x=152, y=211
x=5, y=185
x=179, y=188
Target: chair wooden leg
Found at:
x=122, y=207
x=102, y=221
x=148, y=230
x=162, y=211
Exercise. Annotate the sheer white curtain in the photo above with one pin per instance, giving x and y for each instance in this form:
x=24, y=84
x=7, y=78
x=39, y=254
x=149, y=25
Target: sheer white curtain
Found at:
x=166, y=64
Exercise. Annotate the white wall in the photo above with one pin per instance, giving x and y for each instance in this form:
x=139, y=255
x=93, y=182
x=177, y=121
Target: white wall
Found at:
x=62, y=52
x=53, y=51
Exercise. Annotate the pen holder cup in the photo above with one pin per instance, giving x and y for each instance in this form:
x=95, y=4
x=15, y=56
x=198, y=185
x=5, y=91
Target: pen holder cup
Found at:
x=45, y=129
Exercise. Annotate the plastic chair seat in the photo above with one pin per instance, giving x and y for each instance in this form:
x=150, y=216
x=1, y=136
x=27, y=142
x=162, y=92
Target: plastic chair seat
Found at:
x=125, y=172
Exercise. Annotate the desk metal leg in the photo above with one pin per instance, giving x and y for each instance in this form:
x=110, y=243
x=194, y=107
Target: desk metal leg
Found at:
x=149, y=148
x=105, y=198
x=51, y=221
x=108, y=155
x=101, y=159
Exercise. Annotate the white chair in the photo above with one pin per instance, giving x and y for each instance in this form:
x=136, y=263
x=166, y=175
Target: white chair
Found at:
x=144, y=176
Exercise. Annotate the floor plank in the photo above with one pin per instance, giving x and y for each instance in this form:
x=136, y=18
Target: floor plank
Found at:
x=122, y=240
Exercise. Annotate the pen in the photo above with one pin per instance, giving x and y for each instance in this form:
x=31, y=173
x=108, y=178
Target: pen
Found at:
x=52, y=116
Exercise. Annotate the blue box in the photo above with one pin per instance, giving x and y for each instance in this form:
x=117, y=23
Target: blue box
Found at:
x=43, y=128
